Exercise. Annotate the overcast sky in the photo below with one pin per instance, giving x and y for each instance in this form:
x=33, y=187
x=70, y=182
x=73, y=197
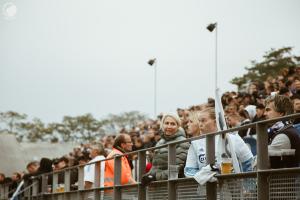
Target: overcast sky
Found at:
x=69, y=57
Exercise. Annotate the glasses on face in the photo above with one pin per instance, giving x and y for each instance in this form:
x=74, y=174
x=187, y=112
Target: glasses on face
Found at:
x=128, y=142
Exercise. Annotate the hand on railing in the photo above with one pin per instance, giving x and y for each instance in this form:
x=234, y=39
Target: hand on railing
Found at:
x=148, y=178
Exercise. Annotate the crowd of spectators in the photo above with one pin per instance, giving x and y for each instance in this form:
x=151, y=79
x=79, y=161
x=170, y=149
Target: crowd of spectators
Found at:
x=240, y=108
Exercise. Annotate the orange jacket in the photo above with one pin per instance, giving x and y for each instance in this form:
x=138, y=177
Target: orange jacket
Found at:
x=109, y=169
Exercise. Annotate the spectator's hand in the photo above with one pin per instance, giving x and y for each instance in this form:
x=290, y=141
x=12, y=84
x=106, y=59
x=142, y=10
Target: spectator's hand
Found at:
x=148, y=178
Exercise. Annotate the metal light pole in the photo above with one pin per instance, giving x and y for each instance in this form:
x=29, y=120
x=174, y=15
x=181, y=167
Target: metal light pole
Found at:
x=211, y=28
x=211, y=188
x=153, y=62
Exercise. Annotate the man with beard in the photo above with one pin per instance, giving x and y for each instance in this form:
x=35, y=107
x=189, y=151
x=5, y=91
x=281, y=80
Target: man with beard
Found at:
x=122, y=144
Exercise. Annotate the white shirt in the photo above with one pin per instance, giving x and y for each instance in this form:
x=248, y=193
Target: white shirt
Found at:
x=89, y=171
x=280, y=141
x=196, y=158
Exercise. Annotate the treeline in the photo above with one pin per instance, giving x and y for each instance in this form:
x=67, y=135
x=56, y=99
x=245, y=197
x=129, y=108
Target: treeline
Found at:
x=274, y=62
x=83, y=128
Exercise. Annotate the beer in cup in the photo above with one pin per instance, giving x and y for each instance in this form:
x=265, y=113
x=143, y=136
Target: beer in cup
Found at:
x=226, y=166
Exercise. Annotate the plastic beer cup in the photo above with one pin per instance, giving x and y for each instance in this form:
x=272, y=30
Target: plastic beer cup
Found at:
x=226, y=166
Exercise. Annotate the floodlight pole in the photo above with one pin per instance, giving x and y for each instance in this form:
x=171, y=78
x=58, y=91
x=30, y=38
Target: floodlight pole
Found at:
x=216, y=58
x=155, y=87
x=153, y=62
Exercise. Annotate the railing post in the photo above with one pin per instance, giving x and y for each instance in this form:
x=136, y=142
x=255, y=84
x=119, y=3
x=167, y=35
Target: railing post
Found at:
x=97, y=179
x=54, y=182
x=262, y=162
x=211, y=188
x=117, y=177
x=142, y=167
x=80, y=178
x=67, y=181
x=135, y=170
x=44, y=188
x=35, y=187
x=172, y=171
x=27, y=190
x=4, y=191
x=80, y=181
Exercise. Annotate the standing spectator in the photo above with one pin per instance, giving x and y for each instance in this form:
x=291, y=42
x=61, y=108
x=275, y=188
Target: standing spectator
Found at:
x=108, y=143
x=61, y=164
x=233, y=120
x=171, y=132
x=296, y=104
x=149, y=138
x=97, y=153
x=193, y=125
x=2, y=178
x=260, y=110
x=32, y=167
x=16, y=178
x=122, y=144
x=282, y=134
x=196, y=158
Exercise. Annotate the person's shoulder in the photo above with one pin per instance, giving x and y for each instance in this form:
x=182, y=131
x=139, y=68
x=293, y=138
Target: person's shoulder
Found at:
x=292, y=130
x=199, y=142
x=160, y=142
x=113, y=153
x=234, y=136
x=97, y=158
x=281, y=135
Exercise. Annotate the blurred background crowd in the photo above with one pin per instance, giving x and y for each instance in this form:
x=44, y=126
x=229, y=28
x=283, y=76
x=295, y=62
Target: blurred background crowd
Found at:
x=240, y=108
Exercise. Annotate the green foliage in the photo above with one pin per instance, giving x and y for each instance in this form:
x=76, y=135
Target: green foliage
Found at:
x=35, y=130
x=83, y=128
x=10, y=121
x=123, y=120
x=273, y=62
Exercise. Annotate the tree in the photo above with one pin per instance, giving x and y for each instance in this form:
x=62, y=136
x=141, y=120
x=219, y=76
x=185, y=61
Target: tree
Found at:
x=113, y=123
x=273, y=62
x=88, y=128
x=34, y=131
x=55, y=132
x=83, y=128
x=11, y=121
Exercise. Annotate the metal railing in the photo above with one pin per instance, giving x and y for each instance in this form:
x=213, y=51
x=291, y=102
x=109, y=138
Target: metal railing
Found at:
x=262, y=184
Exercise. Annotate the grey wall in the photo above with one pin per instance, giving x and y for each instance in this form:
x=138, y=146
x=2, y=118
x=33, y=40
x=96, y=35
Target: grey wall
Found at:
x=14, y=155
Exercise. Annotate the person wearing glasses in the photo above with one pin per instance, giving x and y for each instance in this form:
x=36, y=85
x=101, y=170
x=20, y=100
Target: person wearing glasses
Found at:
x=122, y=144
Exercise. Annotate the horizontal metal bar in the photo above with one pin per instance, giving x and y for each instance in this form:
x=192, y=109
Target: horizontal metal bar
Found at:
x=281, y=170
x=237, y=175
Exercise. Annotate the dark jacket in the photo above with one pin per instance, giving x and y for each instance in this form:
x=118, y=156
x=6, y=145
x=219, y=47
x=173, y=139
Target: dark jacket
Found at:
x=45, y=167
x=160, y=158
x=287, y=161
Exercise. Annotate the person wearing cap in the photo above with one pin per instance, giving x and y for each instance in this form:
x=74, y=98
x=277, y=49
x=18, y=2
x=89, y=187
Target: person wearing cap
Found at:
x=171, y=132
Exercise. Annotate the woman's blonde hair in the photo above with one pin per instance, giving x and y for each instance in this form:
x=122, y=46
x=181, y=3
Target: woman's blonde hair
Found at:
x=172, y=115
x=194, y=117
x=211, y=112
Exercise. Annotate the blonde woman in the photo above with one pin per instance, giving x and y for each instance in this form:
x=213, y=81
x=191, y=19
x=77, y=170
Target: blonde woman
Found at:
x=193, y=124
x=196, y=158
x=172, y=132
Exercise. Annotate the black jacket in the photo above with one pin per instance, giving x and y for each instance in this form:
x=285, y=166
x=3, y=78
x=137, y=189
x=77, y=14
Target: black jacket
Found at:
x=287, y=161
